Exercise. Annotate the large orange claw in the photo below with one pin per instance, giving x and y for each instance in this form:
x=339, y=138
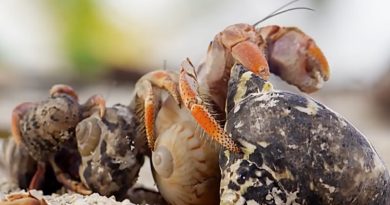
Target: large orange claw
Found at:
x=151, y=103
x=188, y=87
x=295, y=57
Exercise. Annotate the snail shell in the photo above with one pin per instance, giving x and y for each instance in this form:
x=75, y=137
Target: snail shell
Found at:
x=185, y=164
x=110, y=158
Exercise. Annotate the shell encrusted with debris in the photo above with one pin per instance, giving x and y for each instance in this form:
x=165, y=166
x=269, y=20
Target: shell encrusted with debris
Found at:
x=295, y=151
x=110, y=152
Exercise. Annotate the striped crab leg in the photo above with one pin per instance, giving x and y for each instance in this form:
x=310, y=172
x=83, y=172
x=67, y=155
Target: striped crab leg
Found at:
x=147, y=91
x=189, y=91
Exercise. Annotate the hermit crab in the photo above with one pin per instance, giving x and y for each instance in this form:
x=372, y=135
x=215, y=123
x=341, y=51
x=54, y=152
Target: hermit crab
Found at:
x=183, y=158
x=291, y=149
x=45, y=128
x=112, y=155
x=184, y=163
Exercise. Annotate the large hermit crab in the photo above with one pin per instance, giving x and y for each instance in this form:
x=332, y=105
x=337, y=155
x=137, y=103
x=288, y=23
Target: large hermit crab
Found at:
x=292, y=150
x=46, y=127
x=184, y=160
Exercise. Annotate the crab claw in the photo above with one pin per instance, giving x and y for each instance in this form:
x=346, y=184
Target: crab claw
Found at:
x=145, y=90
x=188, y=86
x=63, y=89
x=17, y=114
x=295, y=57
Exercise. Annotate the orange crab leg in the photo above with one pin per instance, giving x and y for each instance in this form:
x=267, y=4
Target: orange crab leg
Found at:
x=145, y=91
x=61, y=88
x=17, y=113
x=96, y=100
x=63, y=178
x=188, y=87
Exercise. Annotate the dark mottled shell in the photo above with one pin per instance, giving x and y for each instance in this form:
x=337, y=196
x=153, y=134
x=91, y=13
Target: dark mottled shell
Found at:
x=295, y=151
x=48, y=125
x=112, y=163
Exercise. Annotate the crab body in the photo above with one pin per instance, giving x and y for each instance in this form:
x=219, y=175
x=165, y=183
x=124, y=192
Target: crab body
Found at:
x=295, y=151
x=110, y=152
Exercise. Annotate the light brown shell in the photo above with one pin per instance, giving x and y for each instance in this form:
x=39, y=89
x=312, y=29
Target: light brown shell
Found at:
x=188, y=171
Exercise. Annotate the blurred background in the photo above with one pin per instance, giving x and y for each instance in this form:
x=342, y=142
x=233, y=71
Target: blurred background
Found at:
x=103, y=47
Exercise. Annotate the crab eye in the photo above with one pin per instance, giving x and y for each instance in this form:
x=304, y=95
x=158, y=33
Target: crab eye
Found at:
x=162, y=161
x=88, y=134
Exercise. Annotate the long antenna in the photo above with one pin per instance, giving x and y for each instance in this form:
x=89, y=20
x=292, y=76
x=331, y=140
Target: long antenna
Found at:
x=278, y=11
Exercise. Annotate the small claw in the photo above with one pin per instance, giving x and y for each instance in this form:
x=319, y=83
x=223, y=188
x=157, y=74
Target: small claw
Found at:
x=188, y=88
x=96, y=101
x=66, y=89
x=17, y=114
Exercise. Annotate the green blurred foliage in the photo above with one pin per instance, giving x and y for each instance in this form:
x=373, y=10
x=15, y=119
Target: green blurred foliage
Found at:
x=92, y=42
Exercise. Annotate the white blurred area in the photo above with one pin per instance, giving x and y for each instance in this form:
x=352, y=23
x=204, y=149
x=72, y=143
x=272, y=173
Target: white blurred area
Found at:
x=353, y=34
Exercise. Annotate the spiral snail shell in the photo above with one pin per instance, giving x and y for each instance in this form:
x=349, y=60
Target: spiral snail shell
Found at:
x=185, y=164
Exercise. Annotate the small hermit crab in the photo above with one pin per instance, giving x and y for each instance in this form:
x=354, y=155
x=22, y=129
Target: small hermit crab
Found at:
x=184, y=163
x=45, y=127
x=112, y=155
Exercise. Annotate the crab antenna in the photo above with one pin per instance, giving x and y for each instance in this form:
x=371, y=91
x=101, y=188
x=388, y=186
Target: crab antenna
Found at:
x=278, y=9
x=280, y=12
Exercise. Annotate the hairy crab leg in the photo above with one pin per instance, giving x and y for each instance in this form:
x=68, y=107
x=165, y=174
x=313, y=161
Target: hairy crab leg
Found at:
x=188, y=87
x=63, y=178
x=145, y=91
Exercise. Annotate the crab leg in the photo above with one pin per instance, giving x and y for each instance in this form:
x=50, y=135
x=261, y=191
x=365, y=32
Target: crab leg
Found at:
x=95, y=101
x=17, y=113
x=38, y=176
x=61, y=88
x=188, y=86
x=147, y=93
x=63, y=178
